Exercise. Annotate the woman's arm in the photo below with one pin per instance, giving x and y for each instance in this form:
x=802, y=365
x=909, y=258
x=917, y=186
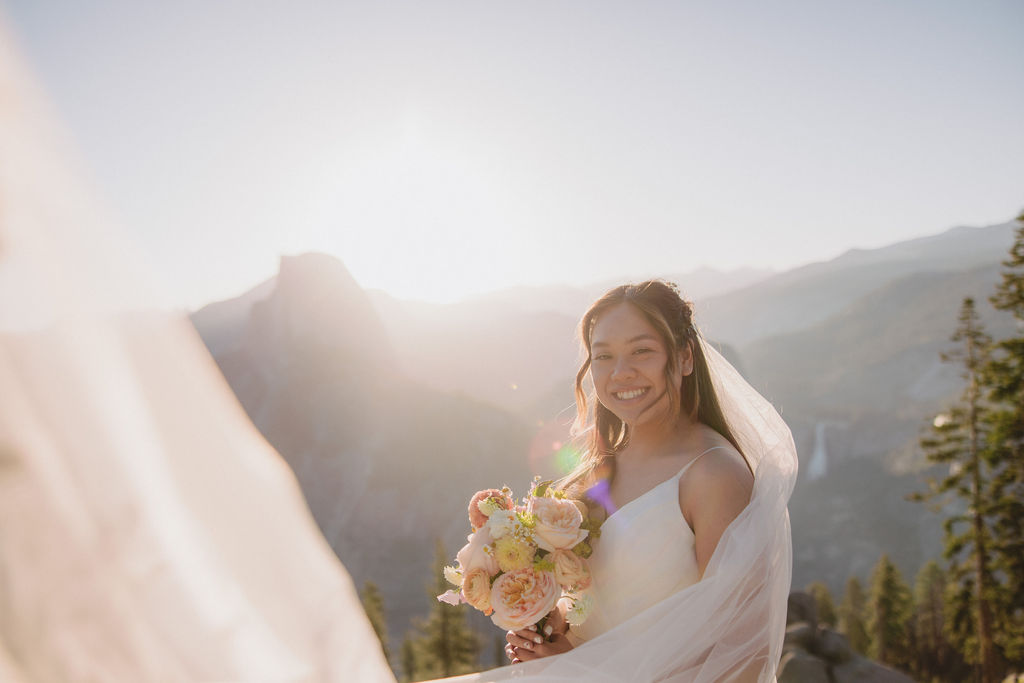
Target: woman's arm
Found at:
x=711, y=495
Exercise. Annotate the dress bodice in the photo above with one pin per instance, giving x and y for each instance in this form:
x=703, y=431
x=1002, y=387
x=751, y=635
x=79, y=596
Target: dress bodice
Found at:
x=646, y=553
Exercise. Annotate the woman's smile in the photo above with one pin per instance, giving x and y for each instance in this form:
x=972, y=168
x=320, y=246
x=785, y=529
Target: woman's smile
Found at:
x=630, y=394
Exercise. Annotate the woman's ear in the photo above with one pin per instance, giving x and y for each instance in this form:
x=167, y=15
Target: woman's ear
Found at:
x=686, y=359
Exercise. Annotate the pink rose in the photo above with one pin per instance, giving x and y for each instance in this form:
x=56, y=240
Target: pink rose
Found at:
x=476, y=589
x=571, y=570
x=472, y=555
x=523, y=597
x=558, y=523
x=477, y=518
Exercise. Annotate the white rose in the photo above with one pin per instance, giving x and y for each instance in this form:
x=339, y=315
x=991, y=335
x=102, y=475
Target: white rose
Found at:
x=501, y=523
x=578, y=607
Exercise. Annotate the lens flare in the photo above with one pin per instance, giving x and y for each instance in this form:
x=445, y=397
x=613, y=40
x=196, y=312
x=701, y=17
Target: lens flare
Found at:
x=567, y=457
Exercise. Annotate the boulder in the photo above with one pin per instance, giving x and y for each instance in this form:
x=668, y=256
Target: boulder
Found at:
x=821, y=655
x=800, y=635
x=798, y=666
x=863, y=670
x=833, y=647
x=802, y=607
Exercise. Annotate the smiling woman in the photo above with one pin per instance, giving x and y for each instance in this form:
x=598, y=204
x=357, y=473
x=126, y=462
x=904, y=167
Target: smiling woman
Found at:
x=693, y=470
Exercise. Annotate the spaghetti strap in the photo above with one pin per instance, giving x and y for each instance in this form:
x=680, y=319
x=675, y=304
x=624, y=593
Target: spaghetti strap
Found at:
x=687, y=465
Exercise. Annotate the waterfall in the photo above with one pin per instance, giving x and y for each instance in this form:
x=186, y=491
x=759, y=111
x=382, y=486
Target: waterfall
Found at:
x=818, y=466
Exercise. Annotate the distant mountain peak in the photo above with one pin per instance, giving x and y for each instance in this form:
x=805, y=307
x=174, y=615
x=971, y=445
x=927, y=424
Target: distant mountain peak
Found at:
x=317, y=271
x=317, y=300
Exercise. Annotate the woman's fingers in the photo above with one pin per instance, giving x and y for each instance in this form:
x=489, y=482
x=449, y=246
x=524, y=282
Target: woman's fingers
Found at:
x=524, y=639
x=527, y=644
x=530, y=636
x=525, y=655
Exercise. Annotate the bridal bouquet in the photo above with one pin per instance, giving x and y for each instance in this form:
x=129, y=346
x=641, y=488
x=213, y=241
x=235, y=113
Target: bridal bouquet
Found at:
x=522, y=559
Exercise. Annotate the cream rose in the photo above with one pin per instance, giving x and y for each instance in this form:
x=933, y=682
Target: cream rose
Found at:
x=476, y=589
x=523, y=597
x=557, y=523
x=571, y=570
x=473, y=556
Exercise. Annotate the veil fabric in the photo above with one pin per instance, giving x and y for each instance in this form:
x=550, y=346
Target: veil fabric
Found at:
x=148, y=531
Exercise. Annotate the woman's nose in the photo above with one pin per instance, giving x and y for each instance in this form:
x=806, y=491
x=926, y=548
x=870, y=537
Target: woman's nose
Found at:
x=623, y=368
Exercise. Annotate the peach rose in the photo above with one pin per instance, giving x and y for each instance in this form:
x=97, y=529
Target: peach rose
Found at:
x=523, y=597
x=558, y=523
x=476, y=516
x=571, y=570
x=476, y=589
x=473, y=556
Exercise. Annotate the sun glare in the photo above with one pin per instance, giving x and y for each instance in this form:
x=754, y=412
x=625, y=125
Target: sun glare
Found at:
x=415, y=214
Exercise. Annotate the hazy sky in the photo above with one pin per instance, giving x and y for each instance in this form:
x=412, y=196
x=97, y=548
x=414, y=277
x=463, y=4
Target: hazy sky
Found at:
x=442, y=149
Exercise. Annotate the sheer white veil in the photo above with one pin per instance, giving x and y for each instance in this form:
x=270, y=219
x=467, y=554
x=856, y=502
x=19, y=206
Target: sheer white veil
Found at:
x=148, y=532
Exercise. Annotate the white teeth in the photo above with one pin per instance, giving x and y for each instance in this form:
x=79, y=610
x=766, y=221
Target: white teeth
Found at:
x=626, y=395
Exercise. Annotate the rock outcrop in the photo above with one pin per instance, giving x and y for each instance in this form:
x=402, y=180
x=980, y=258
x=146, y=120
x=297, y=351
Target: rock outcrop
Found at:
x=812, y=653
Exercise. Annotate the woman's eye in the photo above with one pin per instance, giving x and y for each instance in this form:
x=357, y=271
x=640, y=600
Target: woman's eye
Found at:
x=639, y=351
x=602, y=356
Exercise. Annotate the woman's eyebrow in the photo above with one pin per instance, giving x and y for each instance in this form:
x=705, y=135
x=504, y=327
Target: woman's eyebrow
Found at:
x=639, y=337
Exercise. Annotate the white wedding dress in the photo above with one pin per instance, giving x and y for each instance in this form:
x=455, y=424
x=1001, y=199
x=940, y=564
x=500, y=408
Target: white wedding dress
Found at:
x=149, y=533
x=645, y=554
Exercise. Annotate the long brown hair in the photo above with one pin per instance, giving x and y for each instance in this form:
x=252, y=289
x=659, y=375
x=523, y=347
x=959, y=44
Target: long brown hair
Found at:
x=600, y=433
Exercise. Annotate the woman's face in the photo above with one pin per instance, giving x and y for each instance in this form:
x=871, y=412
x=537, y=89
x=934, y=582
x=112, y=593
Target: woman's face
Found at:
x=627, y=365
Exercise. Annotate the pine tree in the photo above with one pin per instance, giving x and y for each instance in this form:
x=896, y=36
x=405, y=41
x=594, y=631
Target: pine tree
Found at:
x=826, y=607
x=959, y=441
x=444, y=644
x=373, y=605
x=499, y=652
x=407, y=654
x=888, y=615
x=934, y=657
x=851, y=616
x=1005, y=377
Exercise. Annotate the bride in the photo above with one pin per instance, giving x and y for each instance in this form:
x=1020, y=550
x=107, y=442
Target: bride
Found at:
x=655, y=418
x=148, y=532
x=693, y=468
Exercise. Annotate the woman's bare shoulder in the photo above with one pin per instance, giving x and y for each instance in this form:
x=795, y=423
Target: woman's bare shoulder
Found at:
x=720, y=475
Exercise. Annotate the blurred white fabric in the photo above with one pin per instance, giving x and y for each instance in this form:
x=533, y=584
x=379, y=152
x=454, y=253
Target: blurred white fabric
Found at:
x=149, y=533
x=147, y=530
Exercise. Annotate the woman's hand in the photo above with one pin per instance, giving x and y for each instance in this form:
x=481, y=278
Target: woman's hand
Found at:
x=528, y=644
